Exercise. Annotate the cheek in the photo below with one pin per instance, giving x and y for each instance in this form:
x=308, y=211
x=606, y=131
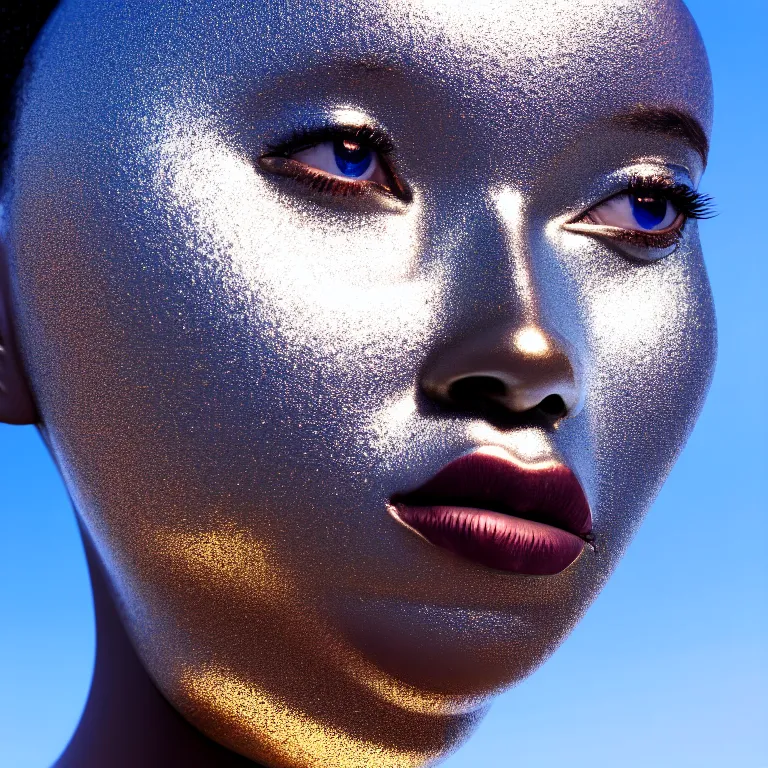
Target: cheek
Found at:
x=308, y=315
x=239, y=324
x=310, y=281
x=211, y=349
x=652, y=332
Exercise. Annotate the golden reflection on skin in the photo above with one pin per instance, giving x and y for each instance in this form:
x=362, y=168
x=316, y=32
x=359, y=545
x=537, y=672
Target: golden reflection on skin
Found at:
x=228, y=561
x=236, y=371
x=224, y=559
x=281, y=734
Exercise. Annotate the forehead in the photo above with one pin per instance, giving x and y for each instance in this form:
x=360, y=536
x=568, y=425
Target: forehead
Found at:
x=504, y=87
x=506, y=60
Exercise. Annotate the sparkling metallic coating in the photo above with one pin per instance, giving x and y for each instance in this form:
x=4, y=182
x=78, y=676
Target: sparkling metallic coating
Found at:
x=229, y=366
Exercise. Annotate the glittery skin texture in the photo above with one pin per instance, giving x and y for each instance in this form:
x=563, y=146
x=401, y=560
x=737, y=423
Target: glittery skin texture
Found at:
x=228, y=366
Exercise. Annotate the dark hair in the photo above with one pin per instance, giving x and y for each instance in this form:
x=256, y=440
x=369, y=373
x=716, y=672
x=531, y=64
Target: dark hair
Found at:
x=20, y=23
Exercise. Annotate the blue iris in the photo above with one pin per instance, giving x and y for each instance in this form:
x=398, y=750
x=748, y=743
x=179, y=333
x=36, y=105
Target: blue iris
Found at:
x=649, y=212
x=352, y=159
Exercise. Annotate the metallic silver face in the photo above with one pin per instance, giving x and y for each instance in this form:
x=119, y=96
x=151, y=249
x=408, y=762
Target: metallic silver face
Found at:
x=234, y=370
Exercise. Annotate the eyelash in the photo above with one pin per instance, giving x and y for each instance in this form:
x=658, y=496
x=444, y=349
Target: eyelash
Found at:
x=689, y=203
x=319, y=181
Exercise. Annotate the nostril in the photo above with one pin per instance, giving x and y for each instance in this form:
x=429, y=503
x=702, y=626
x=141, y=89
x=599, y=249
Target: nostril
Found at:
x=474, y=388
x=553, y=406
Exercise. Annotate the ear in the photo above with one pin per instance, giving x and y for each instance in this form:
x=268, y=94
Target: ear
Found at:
x=17, y=405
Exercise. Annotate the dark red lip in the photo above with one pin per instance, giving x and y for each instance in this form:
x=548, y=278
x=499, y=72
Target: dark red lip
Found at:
x=512, y=517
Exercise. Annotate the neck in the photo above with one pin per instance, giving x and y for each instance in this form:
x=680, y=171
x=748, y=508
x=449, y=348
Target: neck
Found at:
x=127, y=722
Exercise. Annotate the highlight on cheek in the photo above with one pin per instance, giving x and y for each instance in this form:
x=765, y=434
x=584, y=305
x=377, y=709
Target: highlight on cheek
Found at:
x=357, y=283
x=230, y=561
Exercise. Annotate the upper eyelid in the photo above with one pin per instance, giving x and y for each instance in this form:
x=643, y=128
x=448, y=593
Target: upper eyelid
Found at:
x=620, y=180
x=305, y=138
x=655, y=182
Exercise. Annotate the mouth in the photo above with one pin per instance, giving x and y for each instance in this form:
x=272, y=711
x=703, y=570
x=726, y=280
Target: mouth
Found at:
x=532, y=520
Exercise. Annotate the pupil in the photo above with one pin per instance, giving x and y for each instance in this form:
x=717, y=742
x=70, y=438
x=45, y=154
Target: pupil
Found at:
x=352, y=159
x=649, y=212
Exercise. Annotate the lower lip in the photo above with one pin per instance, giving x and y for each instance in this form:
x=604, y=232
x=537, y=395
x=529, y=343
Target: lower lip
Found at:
x=494, y=539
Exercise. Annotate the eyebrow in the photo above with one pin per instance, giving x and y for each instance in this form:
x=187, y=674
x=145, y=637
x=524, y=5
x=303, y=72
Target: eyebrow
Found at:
x=669, y=121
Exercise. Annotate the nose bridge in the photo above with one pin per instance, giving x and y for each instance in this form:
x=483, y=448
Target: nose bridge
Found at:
x=536, y=329
x=480, y=240
x=508, y=207
x=502, y=347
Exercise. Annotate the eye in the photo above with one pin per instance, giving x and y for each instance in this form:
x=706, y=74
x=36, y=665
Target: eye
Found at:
x=339, y=163
x=636, y=211
x=647, y=218
x=346, y=158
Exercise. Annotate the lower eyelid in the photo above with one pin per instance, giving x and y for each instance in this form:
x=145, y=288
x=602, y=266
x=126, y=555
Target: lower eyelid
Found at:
x=332, y=186
x=286, y=166
x=649, y=239
x=661, y=239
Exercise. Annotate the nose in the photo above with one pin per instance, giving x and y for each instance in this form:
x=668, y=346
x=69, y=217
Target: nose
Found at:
x=521, y=367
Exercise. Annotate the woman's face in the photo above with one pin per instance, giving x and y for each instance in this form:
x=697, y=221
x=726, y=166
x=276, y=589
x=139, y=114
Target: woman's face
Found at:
x=242, y=352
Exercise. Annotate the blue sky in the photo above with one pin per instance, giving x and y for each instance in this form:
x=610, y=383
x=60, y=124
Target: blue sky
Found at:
x=669, y=668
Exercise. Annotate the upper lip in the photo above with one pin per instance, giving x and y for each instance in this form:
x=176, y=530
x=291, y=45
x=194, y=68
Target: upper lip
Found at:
x=547, y=493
